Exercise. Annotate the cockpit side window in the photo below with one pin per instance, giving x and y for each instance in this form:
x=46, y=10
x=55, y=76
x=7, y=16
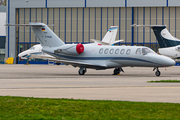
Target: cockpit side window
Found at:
x=146, y=51
x=32, y=48
x=138, y=51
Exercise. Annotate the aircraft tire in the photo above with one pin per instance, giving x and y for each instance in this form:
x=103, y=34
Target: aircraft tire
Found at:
x=82, y=72
x=157, y=73
x=58, y=63
x=116, y=71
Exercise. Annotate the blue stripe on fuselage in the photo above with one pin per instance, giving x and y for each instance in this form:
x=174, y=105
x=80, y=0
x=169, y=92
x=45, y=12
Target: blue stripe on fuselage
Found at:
x=100, y=58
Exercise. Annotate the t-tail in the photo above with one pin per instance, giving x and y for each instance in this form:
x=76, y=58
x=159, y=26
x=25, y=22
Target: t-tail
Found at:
x=164, y=38
x=110, y=37
x=45, y=35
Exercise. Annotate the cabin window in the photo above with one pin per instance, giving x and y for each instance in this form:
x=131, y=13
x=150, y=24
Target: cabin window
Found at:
x=138, y=51
x=101, y=51
x=117, y=51
x=111, y=51
x=106, y=51
x=128, y=51
x=122, y=51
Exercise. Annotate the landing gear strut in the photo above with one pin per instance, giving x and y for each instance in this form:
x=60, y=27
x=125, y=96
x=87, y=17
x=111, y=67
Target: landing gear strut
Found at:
x=27, y=63
x=117, y=71
x=157, y=73
x=82, y=71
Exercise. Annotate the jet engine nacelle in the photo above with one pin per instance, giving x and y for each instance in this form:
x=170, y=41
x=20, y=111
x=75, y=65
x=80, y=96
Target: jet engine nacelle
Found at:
x=73, y=49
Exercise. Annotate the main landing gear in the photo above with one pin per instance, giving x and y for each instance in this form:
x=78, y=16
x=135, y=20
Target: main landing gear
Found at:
x=157, y=73
x=27, y=63
x=117, y=71
x=82, y=71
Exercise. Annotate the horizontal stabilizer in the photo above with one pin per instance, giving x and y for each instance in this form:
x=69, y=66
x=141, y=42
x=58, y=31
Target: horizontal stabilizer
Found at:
x=44, y=34
x=134, y=25
x=104, y=43
x=100, y=42
x=117, y=41
x=26, y=25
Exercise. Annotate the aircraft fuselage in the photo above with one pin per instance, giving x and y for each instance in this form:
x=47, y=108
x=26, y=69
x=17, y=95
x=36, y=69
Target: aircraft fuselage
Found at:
x=113, y=56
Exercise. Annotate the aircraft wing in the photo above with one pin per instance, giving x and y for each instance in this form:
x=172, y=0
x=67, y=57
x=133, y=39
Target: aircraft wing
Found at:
x=80, y=64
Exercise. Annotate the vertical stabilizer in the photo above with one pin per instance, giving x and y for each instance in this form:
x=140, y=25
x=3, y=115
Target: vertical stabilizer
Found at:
x=110, y=36
x=164, y=38
x=46, y=36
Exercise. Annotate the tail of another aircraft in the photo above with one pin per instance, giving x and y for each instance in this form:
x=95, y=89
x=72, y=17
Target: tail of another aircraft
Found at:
x=164, y=38
x=109, y=38
x=110, y=35
x=45, y=35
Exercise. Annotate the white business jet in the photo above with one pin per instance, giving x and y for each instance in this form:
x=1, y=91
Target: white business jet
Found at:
x=169, y=45
x=94, y=56
x=35, y=52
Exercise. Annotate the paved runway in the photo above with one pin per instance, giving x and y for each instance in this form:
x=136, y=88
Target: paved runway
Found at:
x=53, y=81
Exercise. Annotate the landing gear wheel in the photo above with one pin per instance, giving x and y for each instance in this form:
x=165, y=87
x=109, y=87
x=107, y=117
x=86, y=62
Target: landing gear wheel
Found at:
x=82, y=71
x=157, y=73
x=58, y=63
x=116, y=71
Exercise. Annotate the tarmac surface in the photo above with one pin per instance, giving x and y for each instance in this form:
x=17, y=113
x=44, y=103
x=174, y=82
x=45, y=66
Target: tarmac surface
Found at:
x=60, y=81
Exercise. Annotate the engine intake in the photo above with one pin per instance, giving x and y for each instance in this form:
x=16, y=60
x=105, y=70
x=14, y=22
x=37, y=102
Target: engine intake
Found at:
x=79, y=48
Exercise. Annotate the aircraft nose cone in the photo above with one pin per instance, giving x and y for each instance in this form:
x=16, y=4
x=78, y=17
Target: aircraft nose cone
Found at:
x=20, y=55
x=172, y=62
x=169, y=61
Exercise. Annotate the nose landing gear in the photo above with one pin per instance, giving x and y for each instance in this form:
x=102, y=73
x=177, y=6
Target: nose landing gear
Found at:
x=157, y=73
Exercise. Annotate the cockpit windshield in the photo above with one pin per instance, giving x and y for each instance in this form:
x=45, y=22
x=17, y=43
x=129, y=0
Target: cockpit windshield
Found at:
x=32, y=48
x=146, y=51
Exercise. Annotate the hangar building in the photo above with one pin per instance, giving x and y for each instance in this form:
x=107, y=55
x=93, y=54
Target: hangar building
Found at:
x=78, y=21
x=2, y=32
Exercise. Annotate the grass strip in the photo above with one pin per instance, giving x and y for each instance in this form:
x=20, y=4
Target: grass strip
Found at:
x=68, y=109
x=166, y=81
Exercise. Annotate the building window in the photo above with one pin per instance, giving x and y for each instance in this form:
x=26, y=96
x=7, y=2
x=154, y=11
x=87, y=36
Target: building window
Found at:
x=117, y=51
x=122, y=51
x=106, y=51
x=101, y=51
x=128, y=51
x=111, y=51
